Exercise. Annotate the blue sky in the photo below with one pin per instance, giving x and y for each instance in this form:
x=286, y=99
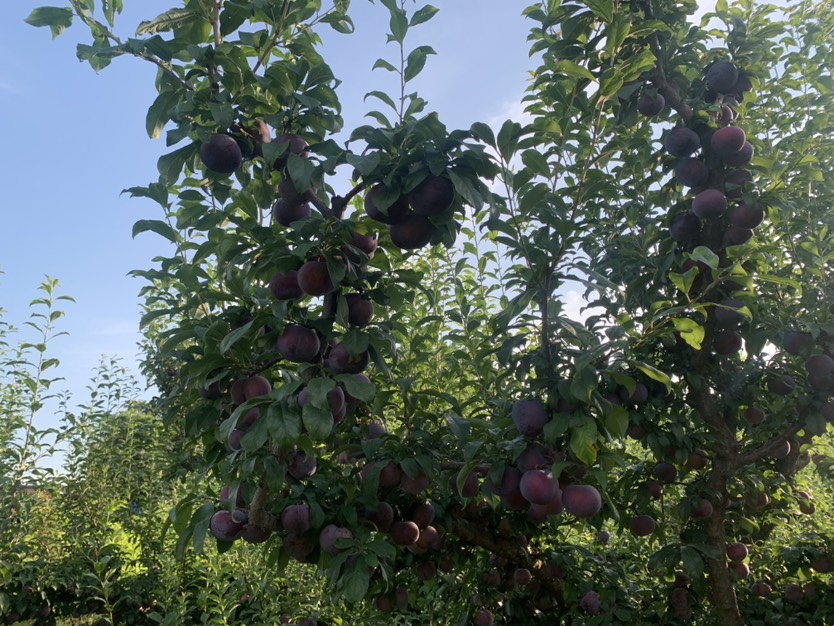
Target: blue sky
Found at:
x=75, y=139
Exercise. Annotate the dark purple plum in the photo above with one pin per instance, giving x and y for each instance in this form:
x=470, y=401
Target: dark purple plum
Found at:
x=432, y=197
x=285, y=286
x=329, y=535
x=285, y=213
x=726, y=342
x=709, y=204
x=294, y=145
x=221, y=154
x=642, y=525
x=742, y=157
x=651, y=104
x=413, y=232
x=736, y=235
x=296, y=518
x=746, y=217
x=685, y=227
x=298, y=344
x=735, y=182
x=538, y=487
x=393, y=214
x=360, y=309
x=692, y=172
x=727, y=141
x=314, y=278
x=581, y=500
x=340, y=361
x=530, y=416
x=682, y=141
x=722, y=76
x=405, y=533
x=224, y=527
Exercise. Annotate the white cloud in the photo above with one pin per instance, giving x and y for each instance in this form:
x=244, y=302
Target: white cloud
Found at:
x=511, y=110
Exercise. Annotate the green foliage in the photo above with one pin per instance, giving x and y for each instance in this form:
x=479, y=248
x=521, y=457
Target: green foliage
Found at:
x=647, y=385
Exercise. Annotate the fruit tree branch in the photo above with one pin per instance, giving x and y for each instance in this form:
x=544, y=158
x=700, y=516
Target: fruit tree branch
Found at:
x=768, y=447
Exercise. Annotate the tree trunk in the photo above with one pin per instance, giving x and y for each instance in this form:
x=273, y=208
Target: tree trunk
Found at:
x=721, y=582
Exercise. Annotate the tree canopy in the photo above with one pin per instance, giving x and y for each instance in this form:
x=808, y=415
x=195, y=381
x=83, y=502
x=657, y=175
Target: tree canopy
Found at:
x=368, y=342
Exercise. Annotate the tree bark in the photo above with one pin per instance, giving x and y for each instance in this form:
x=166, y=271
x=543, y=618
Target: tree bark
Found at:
x=721, y=583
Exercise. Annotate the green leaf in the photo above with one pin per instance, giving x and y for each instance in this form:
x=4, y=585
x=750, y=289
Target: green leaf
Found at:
x=165, y=22
x=468, y=191
x=573, y=70
x=199, y=525
x=653, y=373
x=382, y=63
x=157, y=226
x=416, y=61
x=301, y=171
x=603, y=9
x=423, y=14
x=483, y=132
x=508, y=138
x=685, y=281
x=159, y=113
x=222, y=113
x=339, y=22
x=693, y=563
x=284, y=426
x=384, y=97
x=398, y=25
x=318, y=421
x=233, y=337
x=357, y=388
x=356, y=580
x=616, y=420
x=458, y=426
x=583, y=441
x=690, y=331
x=57, y=18
x=364, y=164
x=170, y=165
x=705, y=255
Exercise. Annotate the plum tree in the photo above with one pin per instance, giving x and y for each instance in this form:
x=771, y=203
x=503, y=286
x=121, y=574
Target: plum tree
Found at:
x=476, y=368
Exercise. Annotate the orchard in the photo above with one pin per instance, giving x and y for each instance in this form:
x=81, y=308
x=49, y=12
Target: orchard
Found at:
x=368, y=344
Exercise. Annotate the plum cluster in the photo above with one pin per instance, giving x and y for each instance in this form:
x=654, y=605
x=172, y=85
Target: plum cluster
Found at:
x=529, y=483
x=712, y=160
x=409, y=216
